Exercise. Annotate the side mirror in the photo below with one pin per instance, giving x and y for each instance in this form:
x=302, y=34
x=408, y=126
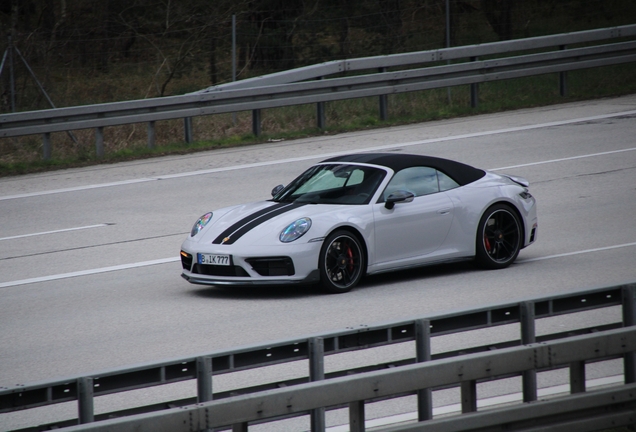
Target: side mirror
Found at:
x=277, y=189
x=399, y=196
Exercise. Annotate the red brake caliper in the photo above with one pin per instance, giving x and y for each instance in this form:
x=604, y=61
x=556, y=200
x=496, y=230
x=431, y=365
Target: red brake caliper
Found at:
x=487, y=244
x=350, y=256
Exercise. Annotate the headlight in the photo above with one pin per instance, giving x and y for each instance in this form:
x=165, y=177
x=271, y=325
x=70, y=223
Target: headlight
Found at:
x=295, y=230
x=198, y=226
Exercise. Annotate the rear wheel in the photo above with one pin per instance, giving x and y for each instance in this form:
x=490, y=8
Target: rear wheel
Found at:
x=341, y=262
x=498, y=237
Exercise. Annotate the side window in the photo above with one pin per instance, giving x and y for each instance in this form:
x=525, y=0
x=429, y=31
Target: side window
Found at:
x=418, y=180
x=445, y=182
x=356, y=177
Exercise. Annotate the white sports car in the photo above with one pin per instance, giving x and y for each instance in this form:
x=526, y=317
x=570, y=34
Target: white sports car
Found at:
x=363, y=214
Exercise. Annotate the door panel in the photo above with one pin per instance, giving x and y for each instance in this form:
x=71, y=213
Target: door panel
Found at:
x=411, y=230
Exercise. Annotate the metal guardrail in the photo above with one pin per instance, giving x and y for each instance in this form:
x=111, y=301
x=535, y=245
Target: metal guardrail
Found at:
x=314, y=348
x=438, y=55
x=293, y=88
x=355, y=390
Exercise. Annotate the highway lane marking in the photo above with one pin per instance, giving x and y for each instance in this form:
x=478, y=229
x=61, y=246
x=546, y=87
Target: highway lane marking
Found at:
x=563, y=159
x=55, y=231
x=88, y=272
x=576, y=253
x=77, y=188
x=327, y=155
x=174, y=259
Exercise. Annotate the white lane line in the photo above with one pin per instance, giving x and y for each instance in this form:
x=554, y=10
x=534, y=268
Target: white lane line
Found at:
x=327, y=155
x=174, y=259
x=482, y=403
x=88, y=272
x=54, y=232
x=576, y=253
x=563, y=159
x=77, y=188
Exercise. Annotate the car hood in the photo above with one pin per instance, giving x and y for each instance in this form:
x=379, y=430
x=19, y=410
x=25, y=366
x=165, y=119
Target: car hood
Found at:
x=262, y=222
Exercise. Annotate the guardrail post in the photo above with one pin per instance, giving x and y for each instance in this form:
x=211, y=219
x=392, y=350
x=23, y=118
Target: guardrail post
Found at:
x=204, y=379
x=474, y=91
x=383, y=101
x=316, y=348
x=356, y=416
x=85, y=400
x=256, y=122
x=528, y=336
x=577, y=377
x=240, y=427
x=629, y=319
x=320, y=112
x=563, y=84
x=469, y=396
x=320, y=115
x=423, y=354
x=99, y=141
x=46, y=146
x=187, y=129
x=152, y=134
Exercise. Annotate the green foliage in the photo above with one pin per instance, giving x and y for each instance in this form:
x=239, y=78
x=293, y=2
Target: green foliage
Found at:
x=87, y=52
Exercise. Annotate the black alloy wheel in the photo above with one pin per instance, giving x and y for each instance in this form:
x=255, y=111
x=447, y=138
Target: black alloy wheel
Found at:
x=341, y=262
x=498, y=237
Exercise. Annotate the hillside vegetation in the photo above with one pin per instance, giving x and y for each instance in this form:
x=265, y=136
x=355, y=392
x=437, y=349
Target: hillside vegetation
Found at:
x=87, y=52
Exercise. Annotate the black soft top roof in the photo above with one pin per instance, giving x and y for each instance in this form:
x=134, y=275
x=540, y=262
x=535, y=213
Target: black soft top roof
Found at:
x=461, y=173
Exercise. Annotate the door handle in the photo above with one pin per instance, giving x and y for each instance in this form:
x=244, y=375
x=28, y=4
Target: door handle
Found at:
x=444, y=211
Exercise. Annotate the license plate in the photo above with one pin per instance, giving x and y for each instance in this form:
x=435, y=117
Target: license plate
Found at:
x=213, y=259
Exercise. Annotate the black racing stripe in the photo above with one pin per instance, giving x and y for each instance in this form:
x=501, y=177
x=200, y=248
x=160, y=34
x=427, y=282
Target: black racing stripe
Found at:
x=256, y=222
x=241, y=227
x=245, y=220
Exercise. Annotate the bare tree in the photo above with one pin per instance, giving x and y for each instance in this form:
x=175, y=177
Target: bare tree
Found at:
x=499, y=16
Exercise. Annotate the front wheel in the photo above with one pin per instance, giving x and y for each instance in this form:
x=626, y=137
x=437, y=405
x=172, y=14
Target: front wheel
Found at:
x=498, y=237
x=341, y=262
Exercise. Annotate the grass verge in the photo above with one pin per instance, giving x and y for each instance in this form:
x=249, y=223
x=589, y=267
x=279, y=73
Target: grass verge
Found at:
x=23, y=155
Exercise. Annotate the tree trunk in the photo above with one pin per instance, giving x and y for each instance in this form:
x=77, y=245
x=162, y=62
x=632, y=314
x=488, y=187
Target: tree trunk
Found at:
x=499, y=16
x=104, y=33
x=213, y=70
x=391, y=13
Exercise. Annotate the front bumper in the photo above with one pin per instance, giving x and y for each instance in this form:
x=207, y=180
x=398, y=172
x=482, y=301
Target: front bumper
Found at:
x=253, y=265
x=197, y=279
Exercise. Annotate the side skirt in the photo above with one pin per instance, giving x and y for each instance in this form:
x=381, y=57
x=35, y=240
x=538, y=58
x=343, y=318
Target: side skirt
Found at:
x=410, y=266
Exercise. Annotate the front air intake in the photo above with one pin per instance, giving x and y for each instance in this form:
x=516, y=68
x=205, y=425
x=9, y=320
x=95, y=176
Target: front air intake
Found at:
x=272, y=266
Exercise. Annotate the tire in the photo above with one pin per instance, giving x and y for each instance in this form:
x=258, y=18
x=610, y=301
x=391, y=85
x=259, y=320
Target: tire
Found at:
x=498, y=237
x=341, y=262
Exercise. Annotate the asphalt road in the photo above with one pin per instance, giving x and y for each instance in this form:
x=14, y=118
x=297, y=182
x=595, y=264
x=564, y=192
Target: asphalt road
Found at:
x=89, y=271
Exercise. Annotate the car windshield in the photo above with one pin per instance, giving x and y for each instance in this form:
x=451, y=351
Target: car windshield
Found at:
x=333, y=184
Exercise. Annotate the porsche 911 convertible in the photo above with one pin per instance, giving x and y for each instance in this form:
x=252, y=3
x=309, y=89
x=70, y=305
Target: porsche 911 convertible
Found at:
x=362, y=214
